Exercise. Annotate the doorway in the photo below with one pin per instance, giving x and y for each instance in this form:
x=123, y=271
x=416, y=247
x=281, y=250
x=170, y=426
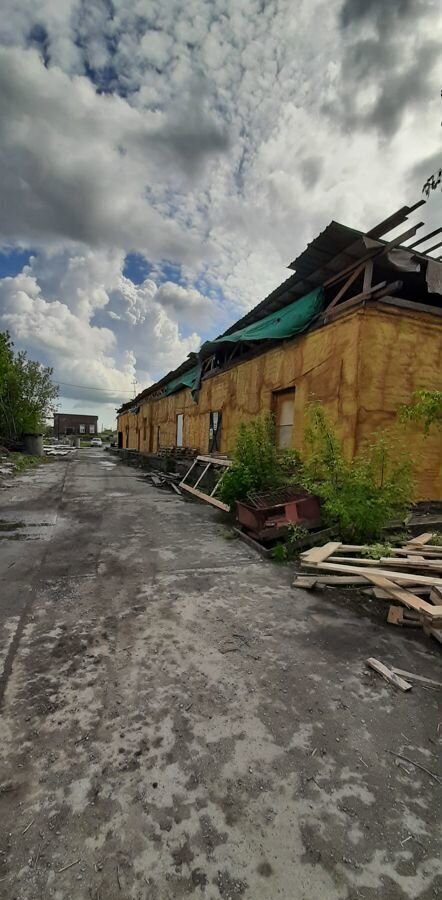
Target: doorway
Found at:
x=179, y=429
x=284, y=411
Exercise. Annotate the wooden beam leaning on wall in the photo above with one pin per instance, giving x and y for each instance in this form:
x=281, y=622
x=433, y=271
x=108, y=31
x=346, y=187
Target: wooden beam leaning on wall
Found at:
x=211, y=461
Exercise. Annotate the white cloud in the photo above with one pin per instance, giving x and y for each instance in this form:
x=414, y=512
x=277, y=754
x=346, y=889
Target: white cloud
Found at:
x=65, y=334
x=211, y=136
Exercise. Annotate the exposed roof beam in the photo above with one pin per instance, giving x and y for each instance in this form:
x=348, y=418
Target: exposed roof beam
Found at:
x=392, y=221
x=434, y=247
x=376, y=251
x=426, y=237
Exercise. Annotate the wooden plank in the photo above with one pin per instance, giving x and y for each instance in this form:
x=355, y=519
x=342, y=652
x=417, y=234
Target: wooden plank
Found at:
x=376, y=251
x=417, y=551
x=434, y=247
x=201, y=476
x=319, y=554
x=401, y=577
x=215, y=460
x=218, y=483
x=307, y=582
x=426, y=237
x=406, y=597
x=395, y=613
x=433, y=633
x=396, y=551
x=188, y=472
x=424, y=538
x=343, y=290
x=436, y=595
x=398, y=615
x=393, y=221
x=368, y=275
x=206, y=497
x=339, y=580
x=388, y=674
x=414, y=677
x=402, y=564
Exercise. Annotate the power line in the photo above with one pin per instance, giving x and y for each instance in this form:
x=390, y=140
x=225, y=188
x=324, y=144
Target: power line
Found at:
x=86, y=387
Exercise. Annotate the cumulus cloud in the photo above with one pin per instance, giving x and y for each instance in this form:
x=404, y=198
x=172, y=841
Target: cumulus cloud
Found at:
x=77, y=165
x=389, y=56
x=71, y=335
x=212, y=139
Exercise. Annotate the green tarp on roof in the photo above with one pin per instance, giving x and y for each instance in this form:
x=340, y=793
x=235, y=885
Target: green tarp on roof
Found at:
x=281, y=324
x=186, y=379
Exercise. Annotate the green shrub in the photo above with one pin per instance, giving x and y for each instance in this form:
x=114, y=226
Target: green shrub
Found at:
x=362, y=495
x=425, y=407
x=280, y=553
x=257, y=464
x=377, y=551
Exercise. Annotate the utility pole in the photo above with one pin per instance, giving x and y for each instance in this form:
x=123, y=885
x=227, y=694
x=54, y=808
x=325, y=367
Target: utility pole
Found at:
x=135, y=382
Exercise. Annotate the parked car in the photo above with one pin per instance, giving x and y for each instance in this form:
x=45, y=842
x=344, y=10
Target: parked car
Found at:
x=96, y=442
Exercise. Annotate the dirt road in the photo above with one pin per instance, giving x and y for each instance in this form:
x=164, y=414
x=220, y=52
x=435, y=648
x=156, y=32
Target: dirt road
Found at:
x=177, y=721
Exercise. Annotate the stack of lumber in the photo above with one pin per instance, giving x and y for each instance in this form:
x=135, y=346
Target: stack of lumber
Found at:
x=412, y=572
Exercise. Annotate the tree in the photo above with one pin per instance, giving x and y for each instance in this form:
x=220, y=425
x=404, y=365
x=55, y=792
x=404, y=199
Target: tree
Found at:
x=27, y=392
x=425, y=407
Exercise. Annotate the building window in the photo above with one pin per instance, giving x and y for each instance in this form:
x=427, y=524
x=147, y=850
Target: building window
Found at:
x=179, y=429
x=144, y=429
x=214, y=432
x=91, y=429
x=284, y=410
x=82, y=429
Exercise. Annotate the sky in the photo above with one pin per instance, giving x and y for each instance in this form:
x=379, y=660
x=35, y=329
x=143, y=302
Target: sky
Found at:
x=162, y=162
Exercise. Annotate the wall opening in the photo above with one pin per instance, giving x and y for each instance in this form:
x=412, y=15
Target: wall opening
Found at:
x=284, y=412
x=179, y=429
x=215, y=432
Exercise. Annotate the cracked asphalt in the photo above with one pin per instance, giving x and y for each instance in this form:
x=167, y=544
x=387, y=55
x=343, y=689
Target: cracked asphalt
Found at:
x=178, y=721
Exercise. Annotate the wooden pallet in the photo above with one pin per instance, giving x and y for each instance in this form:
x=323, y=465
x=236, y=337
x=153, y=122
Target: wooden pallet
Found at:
x=218, y=465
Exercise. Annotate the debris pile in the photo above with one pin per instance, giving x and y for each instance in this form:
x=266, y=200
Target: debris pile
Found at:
x=412, y=576
x=164, y=479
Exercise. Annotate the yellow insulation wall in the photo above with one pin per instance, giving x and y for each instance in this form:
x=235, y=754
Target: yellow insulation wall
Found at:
x=322, y=364
x=361, y=366
x=400, y=352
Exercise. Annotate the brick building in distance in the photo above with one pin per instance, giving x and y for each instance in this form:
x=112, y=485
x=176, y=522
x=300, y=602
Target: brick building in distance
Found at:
x=70, y=424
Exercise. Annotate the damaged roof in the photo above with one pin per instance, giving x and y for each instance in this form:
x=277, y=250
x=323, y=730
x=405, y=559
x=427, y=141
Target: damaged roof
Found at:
x=329, y=254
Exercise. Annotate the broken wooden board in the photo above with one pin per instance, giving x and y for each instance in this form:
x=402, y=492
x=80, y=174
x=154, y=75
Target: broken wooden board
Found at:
x=436, y=595
x=201, y=496
x=402, y=577
x=331, y=580
x=318, y=554
x=209, y=461
x=420, y=539
x=388, y=674
x=406, y=597
x=414, y=677
x=401, y=564
x=398, y=615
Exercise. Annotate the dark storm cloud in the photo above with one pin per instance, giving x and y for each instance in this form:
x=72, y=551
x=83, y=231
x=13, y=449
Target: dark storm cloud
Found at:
x=380, y=11
x=191, y=133
x=311, y=171
x=387, y=63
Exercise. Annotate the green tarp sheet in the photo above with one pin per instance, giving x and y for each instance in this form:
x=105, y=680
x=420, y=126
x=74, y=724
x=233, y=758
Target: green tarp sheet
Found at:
x=186, y=379
x=281, y=324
